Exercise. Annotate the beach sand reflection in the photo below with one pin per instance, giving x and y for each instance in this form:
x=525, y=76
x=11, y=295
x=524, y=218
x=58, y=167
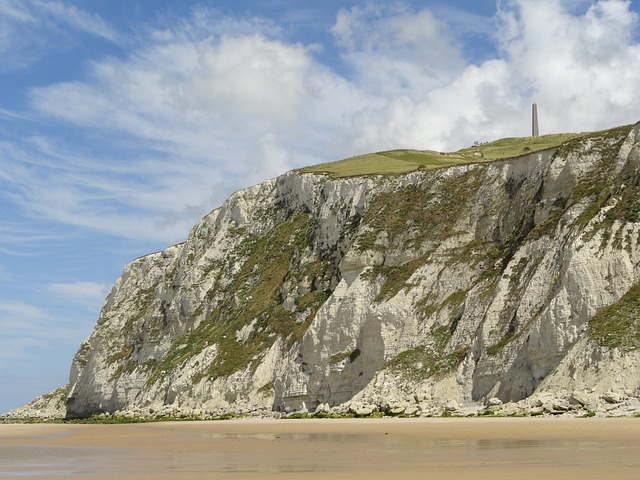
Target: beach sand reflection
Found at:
x=329, y=449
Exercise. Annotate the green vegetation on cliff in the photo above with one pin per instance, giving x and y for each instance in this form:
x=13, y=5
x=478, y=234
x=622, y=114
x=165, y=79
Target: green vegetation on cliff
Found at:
x=428, y=359
x=404, y=161
x=618, y=325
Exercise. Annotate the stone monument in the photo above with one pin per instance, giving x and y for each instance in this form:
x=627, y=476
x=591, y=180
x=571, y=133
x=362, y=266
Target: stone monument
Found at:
x=534, y=120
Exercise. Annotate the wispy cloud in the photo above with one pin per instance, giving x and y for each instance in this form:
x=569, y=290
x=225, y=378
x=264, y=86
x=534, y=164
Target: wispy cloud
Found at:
x=88, y=293
x=64, y=13
x=31, y=28
x=17, y=11
x=23, y=324
x=123, y=196
x=28, y=316
x=13, y=115
x=19, y=239
x=25, y=327
x=191, y=121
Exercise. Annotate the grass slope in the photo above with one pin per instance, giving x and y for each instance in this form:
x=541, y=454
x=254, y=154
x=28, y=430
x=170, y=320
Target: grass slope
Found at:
x=618, y=325
x=403, y=161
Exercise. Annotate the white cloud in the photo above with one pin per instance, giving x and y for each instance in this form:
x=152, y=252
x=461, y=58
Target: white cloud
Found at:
x=209, y=104
x=394, y=50
x=250, y=81
x=210, y=115
x=582, y=69
x=189, y=92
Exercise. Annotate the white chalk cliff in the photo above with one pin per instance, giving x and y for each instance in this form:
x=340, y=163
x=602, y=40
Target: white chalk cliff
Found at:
x=507, y=281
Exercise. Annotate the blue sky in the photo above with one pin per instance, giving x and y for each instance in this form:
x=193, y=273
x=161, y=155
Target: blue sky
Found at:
x=123, y=122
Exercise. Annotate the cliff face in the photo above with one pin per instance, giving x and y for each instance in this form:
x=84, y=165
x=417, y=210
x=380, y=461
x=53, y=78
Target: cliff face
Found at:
x=453, y=285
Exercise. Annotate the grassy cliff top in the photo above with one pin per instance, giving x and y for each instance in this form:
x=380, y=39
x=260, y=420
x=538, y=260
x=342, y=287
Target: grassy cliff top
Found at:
x=403, y=161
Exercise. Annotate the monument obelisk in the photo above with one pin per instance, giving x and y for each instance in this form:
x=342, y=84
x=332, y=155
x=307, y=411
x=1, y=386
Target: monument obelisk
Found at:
x=534, y=120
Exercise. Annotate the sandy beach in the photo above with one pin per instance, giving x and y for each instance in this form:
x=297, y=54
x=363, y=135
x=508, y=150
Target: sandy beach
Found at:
x=478, y=448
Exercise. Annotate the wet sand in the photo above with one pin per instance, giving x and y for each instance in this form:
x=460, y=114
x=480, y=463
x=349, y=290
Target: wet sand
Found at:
x=478, y=448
